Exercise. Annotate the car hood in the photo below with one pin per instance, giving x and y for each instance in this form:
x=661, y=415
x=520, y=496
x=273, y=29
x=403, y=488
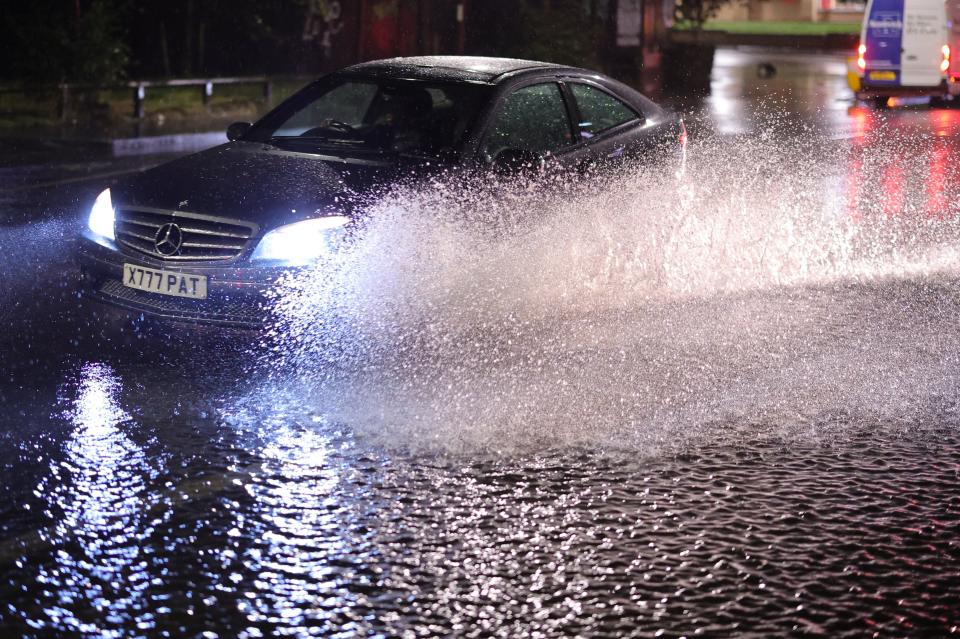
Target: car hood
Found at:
x=257, y=182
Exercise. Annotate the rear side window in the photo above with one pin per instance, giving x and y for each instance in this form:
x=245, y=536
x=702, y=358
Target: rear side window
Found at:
x=599, y=110
x=533, y=118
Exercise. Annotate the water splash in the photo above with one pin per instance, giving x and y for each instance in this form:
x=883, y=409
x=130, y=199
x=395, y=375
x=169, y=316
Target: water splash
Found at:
x=793, y=282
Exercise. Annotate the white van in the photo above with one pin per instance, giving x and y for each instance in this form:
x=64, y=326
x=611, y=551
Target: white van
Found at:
x=904, y=49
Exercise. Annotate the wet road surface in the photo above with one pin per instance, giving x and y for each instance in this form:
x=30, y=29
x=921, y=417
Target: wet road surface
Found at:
x=724, y=404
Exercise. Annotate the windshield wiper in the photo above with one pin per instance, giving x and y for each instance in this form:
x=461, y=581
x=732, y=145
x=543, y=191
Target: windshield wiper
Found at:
x=314, y=140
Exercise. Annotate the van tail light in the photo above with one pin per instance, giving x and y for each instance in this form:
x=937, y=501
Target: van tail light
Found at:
x=861, y=57
x=945, y=63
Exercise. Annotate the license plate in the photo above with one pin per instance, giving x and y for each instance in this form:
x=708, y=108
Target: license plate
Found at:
x=165, y=282
x=883, y=75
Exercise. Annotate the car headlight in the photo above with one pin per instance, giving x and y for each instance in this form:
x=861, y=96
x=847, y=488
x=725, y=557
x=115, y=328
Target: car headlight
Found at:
x=301, y=242
x=102, y=216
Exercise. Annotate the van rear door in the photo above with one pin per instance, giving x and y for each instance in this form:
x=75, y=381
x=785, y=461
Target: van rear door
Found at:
x=881, y=36
x=924, y=34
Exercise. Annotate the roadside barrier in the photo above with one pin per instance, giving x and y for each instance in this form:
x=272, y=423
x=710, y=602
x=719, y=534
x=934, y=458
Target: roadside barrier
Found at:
x=67, y=93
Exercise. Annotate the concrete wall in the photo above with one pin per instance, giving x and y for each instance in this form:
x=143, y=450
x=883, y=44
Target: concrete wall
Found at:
x=785, y=11
x=842, y=16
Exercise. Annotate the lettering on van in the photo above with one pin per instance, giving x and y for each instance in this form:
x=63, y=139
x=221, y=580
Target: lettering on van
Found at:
x=922, y=24
x=885, y=24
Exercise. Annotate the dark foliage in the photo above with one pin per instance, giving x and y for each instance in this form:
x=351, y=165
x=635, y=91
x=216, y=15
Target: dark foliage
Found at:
x=102, y=41
x=562, y=31
x=215, y=37
x=53, y=40
x=697, y=12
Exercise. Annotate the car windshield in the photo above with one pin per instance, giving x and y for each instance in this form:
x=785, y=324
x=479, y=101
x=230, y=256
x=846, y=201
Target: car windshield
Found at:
x=373, y=115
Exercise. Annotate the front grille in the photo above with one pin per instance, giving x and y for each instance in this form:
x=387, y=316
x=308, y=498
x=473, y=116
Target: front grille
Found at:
x=204, y=237
x=238, y=310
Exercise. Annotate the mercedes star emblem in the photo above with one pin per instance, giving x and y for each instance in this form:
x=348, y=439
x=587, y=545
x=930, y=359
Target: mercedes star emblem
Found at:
x=168, y=239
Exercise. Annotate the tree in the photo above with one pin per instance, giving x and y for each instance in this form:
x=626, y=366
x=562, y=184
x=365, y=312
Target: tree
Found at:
x=51, y=40
x=214, y=37
x=562, y=31
x=98, y=50
x=697, y=12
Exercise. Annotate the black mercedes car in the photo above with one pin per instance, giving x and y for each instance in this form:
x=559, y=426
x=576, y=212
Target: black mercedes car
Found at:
x=202, y=238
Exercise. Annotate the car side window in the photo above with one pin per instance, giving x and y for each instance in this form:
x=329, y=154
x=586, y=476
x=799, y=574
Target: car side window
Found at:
x=533, y=118
x=599, y=111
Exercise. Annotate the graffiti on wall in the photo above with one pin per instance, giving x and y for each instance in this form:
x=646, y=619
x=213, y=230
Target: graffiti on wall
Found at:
x=323, y=24
x=629, y=23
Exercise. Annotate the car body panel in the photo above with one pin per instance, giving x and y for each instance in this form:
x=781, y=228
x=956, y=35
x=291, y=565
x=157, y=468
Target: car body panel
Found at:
x=248, y=180
x=456, y=68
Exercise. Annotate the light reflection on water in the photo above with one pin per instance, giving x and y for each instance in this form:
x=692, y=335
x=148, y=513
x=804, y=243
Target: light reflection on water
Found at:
x=819, y=363
x=280, y=523
x=100, y=498
x=294, y=530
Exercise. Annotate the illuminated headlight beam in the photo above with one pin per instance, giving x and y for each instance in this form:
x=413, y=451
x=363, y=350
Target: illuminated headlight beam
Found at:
x=301, y=242
x=102, y=216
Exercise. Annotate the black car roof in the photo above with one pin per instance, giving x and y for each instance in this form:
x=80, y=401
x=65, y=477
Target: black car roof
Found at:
x=449, y=67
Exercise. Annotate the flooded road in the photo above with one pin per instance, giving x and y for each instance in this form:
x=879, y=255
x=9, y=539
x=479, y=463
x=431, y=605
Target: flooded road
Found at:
x=719, y=404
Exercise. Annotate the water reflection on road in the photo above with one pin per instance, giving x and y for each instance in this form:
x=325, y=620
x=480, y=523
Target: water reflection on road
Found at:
x=296, y=554
x=101, y=503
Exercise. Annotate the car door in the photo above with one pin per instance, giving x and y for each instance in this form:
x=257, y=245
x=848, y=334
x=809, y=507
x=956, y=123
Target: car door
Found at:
x=533, y=118
x=610, y=128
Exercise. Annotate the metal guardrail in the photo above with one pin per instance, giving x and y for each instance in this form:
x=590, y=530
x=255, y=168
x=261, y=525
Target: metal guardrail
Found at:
x=140, y=90
x=708, y=37
x=140, y=87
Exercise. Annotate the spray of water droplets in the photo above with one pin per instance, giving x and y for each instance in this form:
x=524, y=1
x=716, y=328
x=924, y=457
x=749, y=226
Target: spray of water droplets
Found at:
x=774, y=285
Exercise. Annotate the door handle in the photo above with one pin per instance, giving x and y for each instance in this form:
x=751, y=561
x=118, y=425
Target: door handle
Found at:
x=617, y=152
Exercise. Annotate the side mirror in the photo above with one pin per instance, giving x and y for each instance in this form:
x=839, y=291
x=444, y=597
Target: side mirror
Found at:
x=519, y=162
x=237, y=130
